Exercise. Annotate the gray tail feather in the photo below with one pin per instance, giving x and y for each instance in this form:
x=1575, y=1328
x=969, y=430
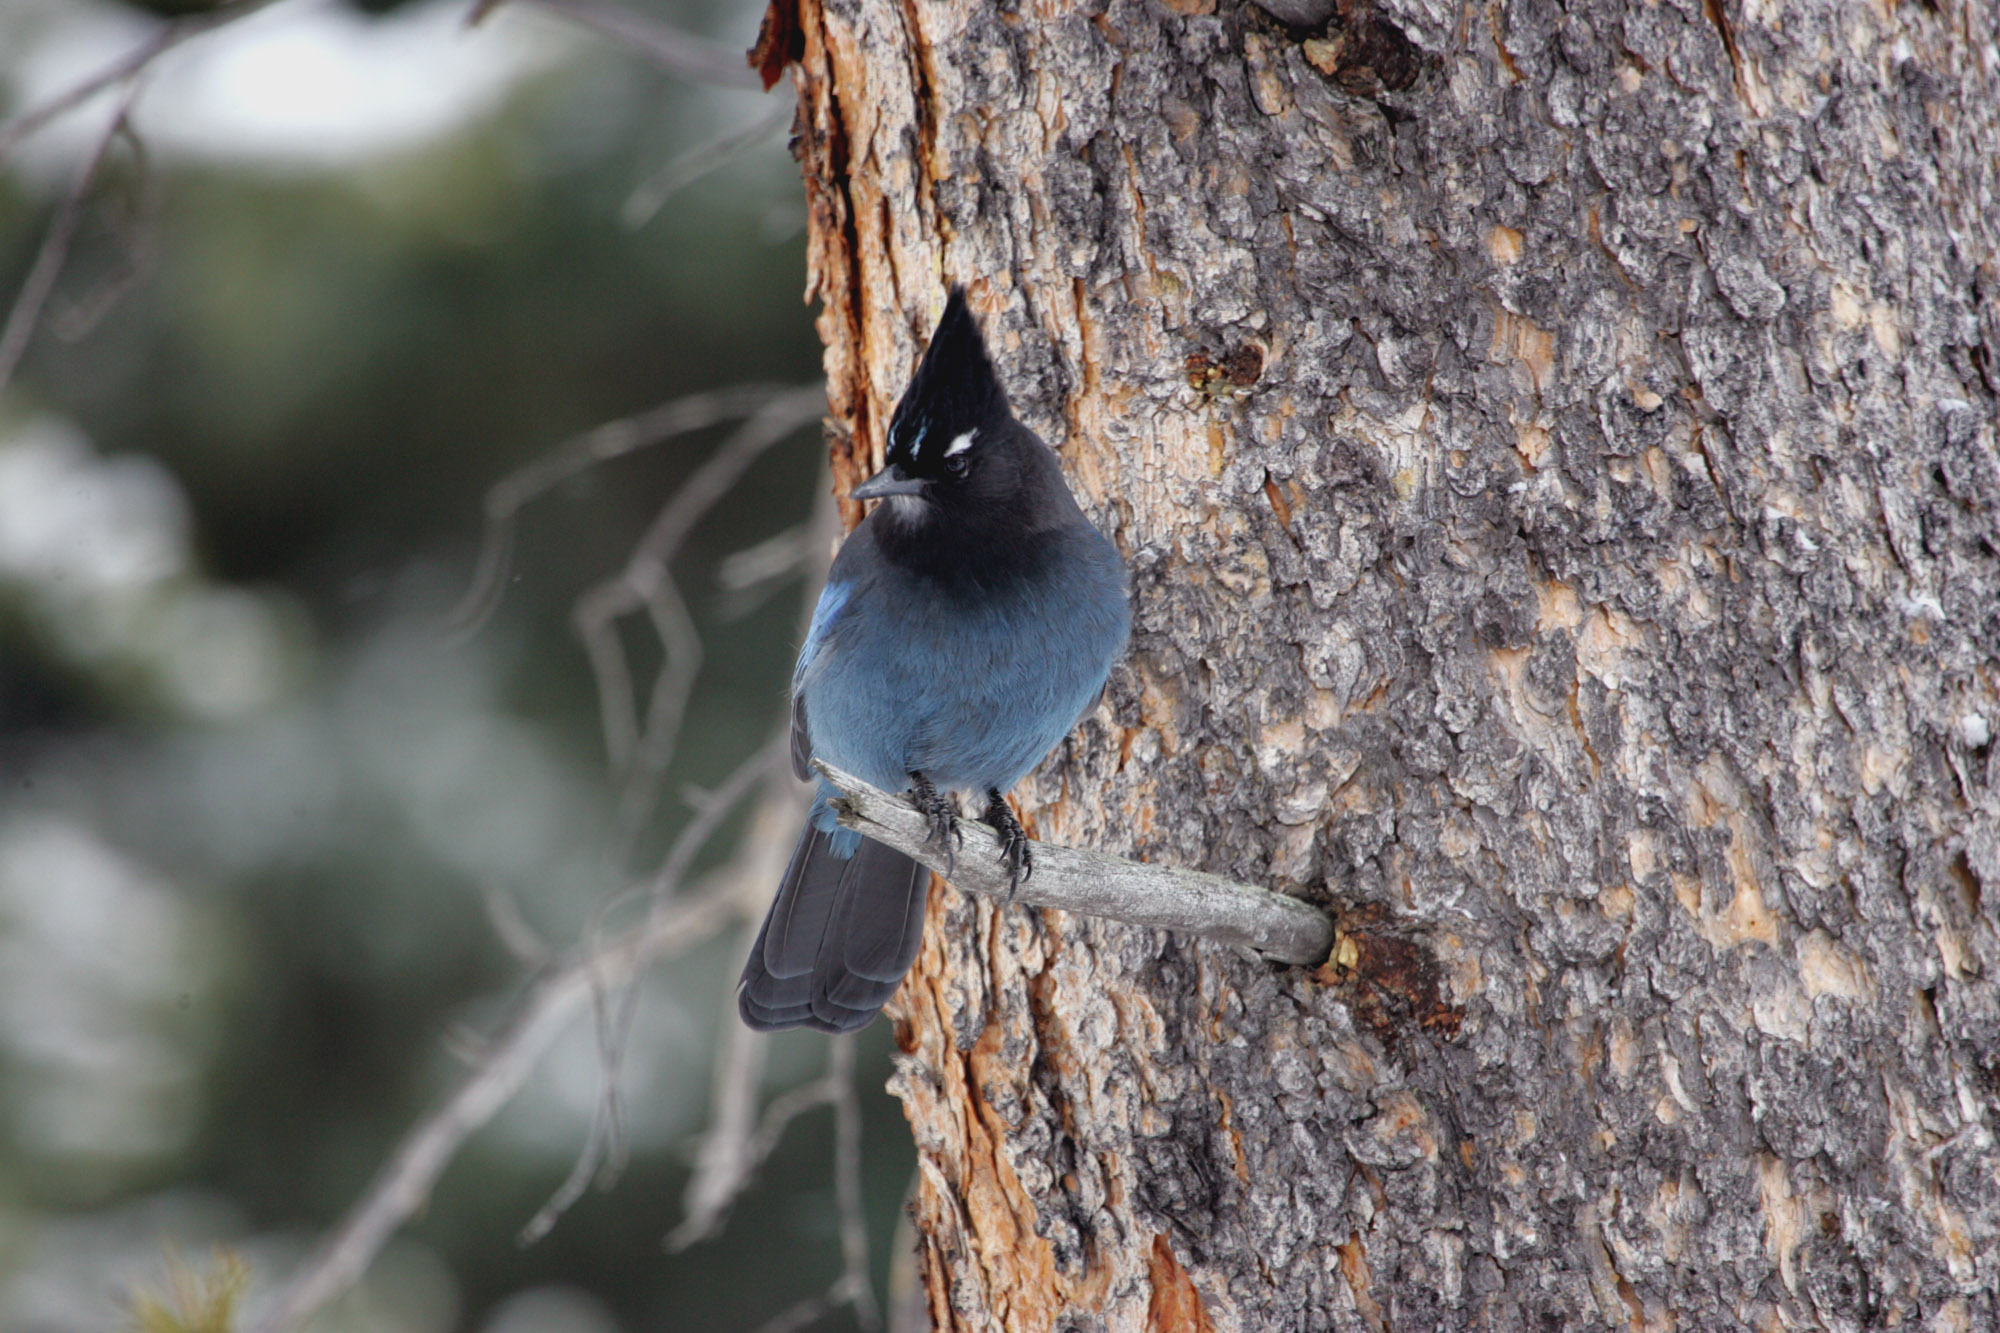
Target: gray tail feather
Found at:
x=838, y=938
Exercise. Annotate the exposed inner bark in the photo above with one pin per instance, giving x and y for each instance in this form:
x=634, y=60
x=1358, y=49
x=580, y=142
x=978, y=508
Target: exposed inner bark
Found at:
x=1558, y=471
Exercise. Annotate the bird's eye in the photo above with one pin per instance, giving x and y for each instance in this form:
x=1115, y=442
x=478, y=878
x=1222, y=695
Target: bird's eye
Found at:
x=956, y=464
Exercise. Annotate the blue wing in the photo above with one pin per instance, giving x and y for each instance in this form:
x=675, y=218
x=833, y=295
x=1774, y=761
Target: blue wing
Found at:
x=831, y=599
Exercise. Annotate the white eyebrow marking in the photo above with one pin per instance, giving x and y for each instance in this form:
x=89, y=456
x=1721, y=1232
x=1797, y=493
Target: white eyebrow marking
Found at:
x=962, y=443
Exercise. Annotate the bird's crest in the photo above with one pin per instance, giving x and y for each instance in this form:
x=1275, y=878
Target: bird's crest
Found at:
x=954, y=391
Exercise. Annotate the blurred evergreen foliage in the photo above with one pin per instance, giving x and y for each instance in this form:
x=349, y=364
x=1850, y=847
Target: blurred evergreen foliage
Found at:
x=332, y=368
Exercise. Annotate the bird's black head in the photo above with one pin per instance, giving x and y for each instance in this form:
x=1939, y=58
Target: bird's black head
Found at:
x=952, y=412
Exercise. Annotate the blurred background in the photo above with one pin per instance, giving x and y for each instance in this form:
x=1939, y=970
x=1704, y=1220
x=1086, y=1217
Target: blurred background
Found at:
x=365, y=261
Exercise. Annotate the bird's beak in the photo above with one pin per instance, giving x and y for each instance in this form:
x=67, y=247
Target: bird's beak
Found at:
x=891, y=480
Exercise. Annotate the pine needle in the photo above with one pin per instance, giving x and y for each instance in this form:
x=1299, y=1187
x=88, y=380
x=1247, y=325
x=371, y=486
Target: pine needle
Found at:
x=194, y=1302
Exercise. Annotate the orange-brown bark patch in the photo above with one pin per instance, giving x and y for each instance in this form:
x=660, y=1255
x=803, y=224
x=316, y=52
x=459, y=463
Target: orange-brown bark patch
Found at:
x=1354, y=1267
x=1176, y=1306
x=779, y=42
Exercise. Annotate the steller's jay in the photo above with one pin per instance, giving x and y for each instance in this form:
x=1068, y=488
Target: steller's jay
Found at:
x=965, y=627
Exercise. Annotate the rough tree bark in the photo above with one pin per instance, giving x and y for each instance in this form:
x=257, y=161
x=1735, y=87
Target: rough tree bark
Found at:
x=1555, y=452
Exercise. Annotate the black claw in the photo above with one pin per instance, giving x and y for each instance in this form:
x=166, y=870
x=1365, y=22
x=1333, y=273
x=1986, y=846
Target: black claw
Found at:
x=1014, y=845
x=942, y=830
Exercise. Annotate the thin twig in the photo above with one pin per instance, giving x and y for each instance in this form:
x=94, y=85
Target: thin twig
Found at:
x=673, y=923
x=854, y=1286
x=834, y=1088
x=399, y=1189
x=403, y=1184
x=773, y=415
x=516, y=936
x=723, y=1163
x=787, y=1107
x=752, y=576
x=1097, y=883
x=600, y=444
x=603, y=1147
x=736, y=1141
x=134, y=62
x=698, y=161
x=137, y=234
x=646, y=583
x=617, y=702
x=681, y=654
x=769, y=762
x=596, y=1143
x=803, y=1315
x=668, y=49
x=678, y=53
x=768, y=561
x=49, y=261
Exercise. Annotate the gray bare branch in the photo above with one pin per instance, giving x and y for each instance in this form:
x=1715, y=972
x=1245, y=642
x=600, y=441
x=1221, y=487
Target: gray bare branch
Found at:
x=676, y=922
x=26, y=314
x=666, y=48
x=1098, y=884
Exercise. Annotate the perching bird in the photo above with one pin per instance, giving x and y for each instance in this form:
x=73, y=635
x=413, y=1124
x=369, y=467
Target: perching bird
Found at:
x=965, y=627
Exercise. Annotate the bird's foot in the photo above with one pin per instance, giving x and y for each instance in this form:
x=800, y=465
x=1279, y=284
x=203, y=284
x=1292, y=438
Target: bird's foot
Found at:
x=1014, y=846
x=942, y=832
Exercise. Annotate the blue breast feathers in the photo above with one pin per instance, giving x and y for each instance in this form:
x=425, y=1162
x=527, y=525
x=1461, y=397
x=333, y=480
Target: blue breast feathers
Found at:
x=972, y=691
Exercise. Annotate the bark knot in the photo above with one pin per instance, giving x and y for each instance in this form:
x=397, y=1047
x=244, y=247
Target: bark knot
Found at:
x=1390, y=980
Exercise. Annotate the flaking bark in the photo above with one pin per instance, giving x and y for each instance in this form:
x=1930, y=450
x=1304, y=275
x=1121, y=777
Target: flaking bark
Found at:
x=1555, y=453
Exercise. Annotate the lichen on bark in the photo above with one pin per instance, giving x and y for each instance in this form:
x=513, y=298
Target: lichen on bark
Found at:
x=1560, y=491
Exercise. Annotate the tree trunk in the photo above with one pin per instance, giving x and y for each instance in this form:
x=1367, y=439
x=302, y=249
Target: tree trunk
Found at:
x=1555, y=455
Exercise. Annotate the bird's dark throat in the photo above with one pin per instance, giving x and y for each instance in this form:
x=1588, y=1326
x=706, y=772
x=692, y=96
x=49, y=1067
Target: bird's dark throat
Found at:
x=965, y=546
